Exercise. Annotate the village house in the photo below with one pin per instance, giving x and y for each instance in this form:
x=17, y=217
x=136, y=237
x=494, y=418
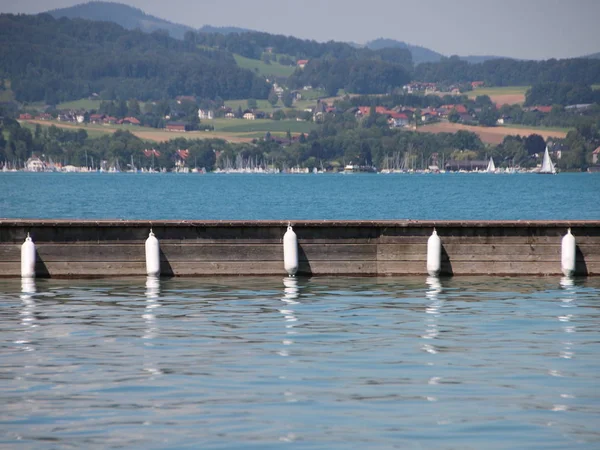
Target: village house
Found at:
x=206, y=114
x=301, y=63
x=175, y=126
x=477, y=84
x=426, y=116
x=540, y=109
x=180, y=159
x=44, y=116
x=397, y=120
x=595, y=156
x=185, y=98
x=129, y=121
x=109, y=120
x=230, y=115
x=417, y=86
x=504, y=120
x=278, y=90
x=578, y=108
x=25, y=116
x=249, y=115
x=96, y=118
x=35, y=164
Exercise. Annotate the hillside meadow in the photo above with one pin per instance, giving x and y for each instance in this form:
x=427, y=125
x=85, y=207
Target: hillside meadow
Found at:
x=505, y=95
x=234, y=130
x=273, y=69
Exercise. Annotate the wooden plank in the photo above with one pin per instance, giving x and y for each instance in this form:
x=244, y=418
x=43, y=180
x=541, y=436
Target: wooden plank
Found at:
x=192, y=252
x=490, y=240
x=484, y=252
x=215, y=234
x=473, y=268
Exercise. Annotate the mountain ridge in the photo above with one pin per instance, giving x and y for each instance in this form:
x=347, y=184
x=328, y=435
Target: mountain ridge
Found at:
x=127, y=16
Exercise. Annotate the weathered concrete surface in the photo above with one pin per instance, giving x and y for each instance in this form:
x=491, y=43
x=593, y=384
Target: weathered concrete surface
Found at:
x=85, y=248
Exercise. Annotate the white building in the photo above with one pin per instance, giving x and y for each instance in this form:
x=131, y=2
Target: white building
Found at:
x=205, y=114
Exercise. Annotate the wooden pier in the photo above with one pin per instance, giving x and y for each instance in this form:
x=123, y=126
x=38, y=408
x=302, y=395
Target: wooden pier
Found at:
x=111, y=248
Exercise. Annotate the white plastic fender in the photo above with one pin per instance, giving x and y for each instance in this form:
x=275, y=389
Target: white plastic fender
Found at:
x=434, y=254
x=28, y=258
x=290, y=251
x=568, y=254
x=152, y=256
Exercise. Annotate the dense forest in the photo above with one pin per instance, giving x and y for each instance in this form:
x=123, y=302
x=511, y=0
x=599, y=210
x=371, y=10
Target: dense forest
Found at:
x=561, y=94
x=510, y=72
x=356, y=76
x=54, y=60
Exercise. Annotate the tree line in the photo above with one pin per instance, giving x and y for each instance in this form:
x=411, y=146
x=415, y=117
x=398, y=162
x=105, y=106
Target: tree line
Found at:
x=510, y=72
x=339, y=140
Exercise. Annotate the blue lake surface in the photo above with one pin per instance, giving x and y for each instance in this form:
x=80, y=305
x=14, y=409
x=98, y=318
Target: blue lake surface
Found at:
x=336, y=363
x=567, y=196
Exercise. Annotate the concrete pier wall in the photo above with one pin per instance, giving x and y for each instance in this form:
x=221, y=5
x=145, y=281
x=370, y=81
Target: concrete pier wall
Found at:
x=109, y=248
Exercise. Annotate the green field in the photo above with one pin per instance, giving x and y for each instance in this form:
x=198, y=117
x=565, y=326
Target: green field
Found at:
x=530, y=127
x=262, y=125
x=596, y=86
x=263, y=105
x=312, y=94
x=7, y=96
x=258, y=66
x=502, y=90
x=224, y=128
x=84, y=103
x=309, y=99
x=93, y=131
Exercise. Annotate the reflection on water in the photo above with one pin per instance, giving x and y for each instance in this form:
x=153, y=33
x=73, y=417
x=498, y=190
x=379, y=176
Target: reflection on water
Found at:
x=28, y=319
x=433, y=311
x=331, y=363
x=566, y=320
x=149, y=316
x=291, y=293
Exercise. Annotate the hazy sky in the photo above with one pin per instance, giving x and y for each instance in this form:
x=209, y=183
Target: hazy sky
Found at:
x=536, y=29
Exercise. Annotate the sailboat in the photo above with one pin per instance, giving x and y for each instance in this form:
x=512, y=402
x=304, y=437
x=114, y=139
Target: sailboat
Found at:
x=547, y=165
x=491, y=168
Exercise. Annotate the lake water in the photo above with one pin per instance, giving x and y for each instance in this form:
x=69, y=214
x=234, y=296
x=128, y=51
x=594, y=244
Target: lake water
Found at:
x=259, y=363
x=567, y=196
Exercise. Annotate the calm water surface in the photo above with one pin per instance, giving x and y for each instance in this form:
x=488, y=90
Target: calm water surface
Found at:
x=567, y=196
x=257, y=363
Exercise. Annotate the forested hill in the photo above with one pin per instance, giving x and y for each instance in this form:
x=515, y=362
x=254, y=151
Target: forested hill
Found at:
x=331, y=65
x=419, y=54
x=423, y=54
x=124, y=15
x=252, y=44
x=53, y=60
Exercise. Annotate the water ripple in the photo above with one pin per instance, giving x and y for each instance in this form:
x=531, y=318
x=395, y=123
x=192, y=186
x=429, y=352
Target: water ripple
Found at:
x=320, y=363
